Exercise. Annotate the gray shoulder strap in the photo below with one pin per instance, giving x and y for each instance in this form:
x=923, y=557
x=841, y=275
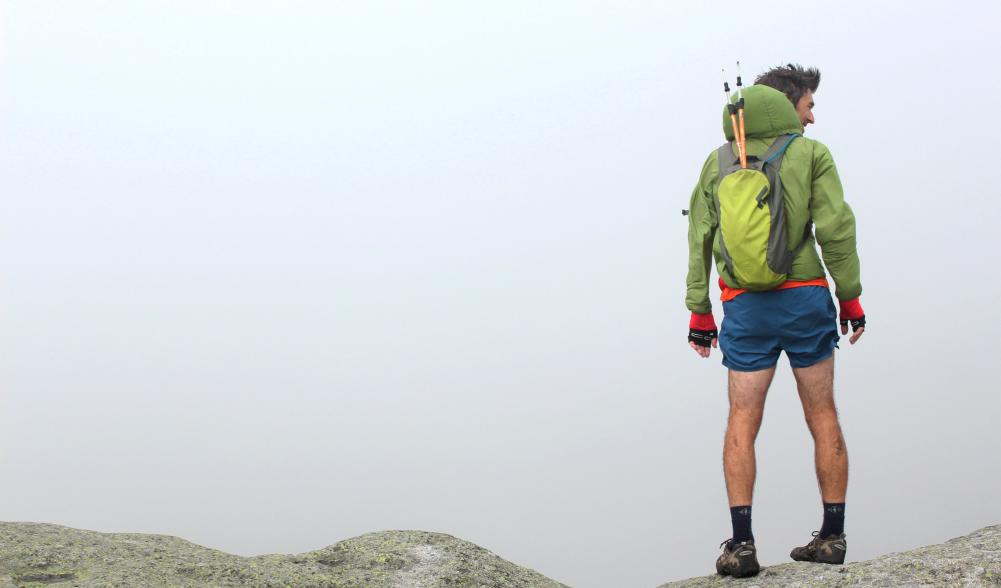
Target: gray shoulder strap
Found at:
x=726, y=158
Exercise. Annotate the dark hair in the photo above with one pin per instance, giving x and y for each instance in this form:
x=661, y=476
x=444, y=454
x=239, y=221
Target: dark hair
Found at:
x=793, y=80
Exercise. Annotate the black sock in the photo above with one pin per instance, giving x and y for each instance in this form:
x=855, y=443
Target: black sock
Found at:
x=834, y=520
x=740, y=516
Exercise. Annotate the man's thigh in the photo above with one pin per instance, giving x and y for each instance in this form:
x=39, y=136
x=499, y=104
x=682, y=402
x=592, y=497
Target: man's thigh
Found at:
x=748, y=390
x=816, y=385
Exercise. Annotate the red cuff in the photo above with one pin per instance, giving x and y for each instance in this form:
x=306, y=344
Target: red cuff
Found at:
x=702, y=322
x=851, y=309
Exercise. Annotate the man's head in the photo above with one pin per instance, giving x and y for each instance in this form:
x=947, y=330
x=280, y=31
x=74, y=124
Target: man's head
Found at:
x=797, y=83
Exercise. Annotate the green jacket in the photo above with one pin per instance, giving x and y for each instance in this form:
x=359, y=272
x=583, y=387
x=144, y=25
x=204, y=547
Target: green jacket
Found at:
x=812, y=192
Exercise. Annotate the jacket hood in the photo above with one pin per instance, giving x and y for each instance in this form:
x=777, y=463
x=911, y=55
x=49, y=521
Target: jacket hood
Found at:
x=767, y=113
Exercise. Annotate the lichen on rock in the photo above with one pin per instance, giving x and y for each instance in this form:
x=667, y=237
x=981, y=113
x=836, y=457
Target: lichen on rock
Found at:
x=37, y=554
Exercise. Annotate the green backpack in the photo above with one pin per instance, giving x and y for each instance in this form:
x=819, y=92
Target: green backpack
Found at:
x=753, y=237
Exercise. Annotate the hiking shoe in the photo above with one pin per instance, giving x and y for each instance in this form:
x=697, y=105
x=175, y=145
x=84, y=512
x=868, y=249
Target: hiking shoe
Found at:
x=829, y=551
x=738, y=560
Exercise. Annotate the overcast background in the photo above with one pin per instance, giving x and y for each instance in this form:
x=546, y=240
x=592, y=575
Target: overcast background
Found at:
x=277, y=274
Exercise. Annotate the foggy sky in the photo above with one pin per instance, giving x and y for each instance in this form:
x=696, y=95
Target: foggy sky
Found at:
x=277, y=274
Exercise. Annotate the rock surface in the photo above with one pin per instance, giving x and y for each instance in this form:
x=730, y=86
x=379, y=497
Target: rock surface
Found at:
x=973, y=560
x=40, y=555
x=37, y=555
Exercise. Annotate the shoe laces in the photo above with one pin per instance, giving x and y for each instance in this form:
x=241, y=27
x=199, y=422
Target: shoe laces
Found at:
x=730, y=540
x=817, y=538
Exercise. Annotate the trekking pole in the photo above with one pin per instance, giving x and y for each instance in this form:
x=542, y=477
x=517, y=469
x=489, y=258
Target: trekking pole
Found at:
x=733, y=117
x=740, y=116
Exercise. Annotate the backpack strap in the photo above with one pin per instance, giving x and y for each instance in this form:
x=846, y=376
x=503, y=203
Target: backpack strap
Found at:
x=779, y=256
x=727, y=160
x=774, y=157
x=807, y=233
x=770, y=162
x=778, y=148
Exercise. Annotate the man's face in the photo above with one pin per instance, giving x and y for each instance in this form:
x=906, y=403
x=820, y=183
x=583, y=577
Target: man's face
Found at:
x=805, y=108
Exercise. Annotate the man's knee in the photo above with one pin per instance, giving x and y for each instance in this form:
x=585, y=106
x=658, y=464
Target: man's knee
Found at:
x=738, y=441
x=824, y=426
x=743, y=426
x=831, y=443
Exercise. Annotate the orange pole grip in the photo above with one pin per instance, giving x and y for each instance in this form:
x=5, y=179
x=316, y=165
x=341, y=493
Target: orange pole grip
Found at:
x=743, y=140
x=736, y=139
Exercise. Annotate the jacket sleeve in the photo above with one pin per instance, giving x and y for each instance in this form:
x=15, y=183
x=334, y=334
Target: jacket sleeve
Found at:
x=701, y=232
x=835, y=226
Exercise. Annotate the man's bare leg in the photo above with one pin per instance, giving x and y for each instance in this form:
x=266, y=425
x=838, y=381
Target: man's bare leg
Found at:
x=816, y=392
x=747, y=405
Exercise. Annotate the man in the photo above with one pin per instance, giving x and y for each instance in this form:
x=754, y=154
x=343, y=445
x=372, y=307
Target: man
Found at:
x=797, y=317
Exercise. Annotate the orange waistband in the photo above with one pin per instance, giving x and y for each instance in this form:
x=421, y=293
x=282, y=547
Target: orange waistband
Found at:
x=729, y=293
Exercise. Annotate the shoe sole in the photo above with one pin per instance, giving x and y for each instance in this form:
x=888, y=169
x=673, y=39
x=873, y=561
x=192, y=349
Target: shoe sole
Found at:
x=821, y=561
x=746, y=569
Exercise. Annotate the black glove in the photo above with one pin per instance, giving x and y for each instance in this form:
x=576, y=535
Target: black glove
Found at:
x=702, y=337
x=857, y=324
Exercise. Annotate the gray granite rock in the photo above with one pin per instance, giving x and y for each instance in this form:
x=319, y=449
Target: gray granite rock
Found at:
x=41, y=555
x=973, y=560
x=36, y=555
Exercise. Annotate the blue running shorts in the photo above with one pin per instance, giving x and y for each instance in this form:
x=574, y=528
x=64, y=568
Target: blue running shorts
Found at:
x=758, y=326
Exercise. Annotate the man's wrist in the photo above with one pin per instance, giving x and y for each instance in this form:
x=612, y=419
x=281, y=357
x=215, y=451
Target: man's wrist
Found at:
x=702, y=321
x=851, y=309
